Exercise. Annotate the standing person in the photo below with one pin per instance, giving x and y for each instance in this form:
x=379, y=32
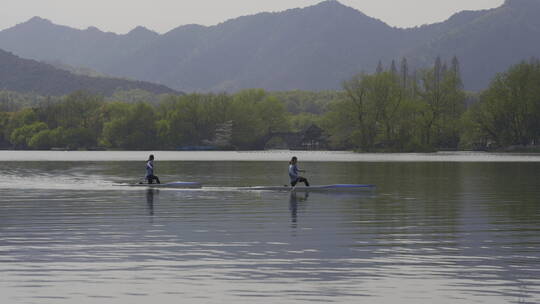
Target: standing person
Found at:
x=293, y=173
x=150, y=177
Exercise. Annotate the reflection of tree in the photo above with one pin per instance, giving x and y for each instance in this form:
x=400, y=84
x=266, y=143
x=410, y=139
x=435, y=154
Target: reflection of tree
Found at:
x=470, y=216
x=502, y=221
x=421, y=197
x=512, y=189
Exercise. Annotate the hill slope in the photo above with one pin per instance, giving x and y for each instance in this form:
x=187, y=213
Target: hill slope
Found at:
x=24, y=75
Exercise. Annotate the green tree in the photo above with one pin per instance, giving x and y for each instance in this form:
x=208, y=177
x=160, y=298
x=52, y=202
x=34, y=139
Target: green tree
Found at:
x=509, y=110
x=80, y=116
x=191, y=119
x=44, y=139
x=273, y=115
x=24, y=117
x=443, y=103
x=133, y=127
x=20, y=137
x=4, y=122
x=302, y=121
x=370, y=114
x=298, y=102
x=248, y=127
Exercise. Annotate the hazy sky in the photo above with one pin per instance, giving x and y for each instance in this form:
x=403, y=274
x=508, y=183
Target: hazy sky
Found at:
x=120, y=16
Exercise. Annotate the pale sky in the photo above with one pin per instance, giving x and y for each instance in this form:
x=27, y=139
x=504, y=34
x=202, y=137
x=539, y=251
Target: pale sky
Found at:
x=121, y=16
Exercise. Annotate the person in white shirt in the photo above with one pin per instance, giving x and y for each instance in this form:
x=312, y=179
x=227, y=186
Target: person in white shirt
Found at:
x=150, y=177
x=293, y=173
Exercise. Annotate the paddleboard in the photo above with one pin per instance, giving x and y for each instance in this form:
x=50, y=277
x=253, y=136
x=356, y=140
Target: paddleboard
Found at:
x=322, y=188
x=172, y=185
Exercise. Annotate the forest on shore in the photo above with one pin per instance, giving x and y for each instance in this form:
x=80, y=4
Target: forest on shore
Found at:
x=391, y=110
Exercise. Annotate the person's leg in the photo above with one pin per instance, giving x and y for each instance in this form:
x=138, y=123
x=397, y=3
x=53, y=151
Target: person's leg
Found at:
x=303, y=180
x=293, y=183
x=151, y=179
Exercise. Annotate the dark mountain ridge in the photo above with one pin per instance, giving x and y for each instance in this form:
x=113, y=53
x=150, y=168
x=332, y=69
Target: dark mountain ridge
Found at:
x=24, y=75
x=313, y=48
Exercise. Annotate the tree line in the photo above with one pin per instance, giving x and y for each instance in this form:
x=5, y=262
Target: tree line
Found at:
x=393, y=109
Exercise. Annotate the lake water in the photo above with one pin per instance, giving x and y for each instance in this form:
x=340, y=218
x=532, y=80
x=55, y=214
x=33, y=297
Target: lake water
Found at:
x=439, y=228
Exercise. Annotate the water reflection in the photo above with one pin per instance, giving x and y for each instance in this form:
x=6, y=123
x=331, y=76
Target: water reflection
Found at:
x=432, y=233
x=293, y=206
x=150, y=199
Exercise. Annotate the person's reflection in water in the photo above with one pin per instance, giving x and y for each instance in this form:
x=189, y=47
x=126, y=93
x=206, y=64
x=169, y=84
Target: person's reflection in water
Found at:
x=293, y=206
x=150, y=200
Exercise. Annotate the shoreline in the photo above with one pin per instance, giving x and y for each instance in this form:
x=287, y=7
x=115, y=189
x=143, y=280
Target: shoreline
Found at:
x=266, y=156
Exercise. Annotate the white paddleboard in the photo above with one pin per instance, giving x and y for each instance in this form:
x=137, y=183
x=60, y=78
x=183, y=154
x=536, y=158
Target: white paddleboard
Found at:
x=322, y=188
x=172, y=185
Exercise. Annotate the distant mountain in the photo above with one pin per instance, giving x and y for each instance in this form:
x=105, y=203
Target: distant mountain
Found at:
x=313, y=48
x=486, y=42
x=24, y=75
x=76, y=70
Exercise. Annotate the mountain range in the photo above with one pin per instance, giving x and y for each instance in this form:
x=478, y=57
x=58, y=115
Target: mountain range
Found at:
x=313, y=48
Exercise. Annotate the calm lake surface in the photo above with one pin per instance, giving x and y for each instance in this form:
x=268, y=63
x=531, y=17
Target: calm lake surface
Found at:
x=439, y=228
